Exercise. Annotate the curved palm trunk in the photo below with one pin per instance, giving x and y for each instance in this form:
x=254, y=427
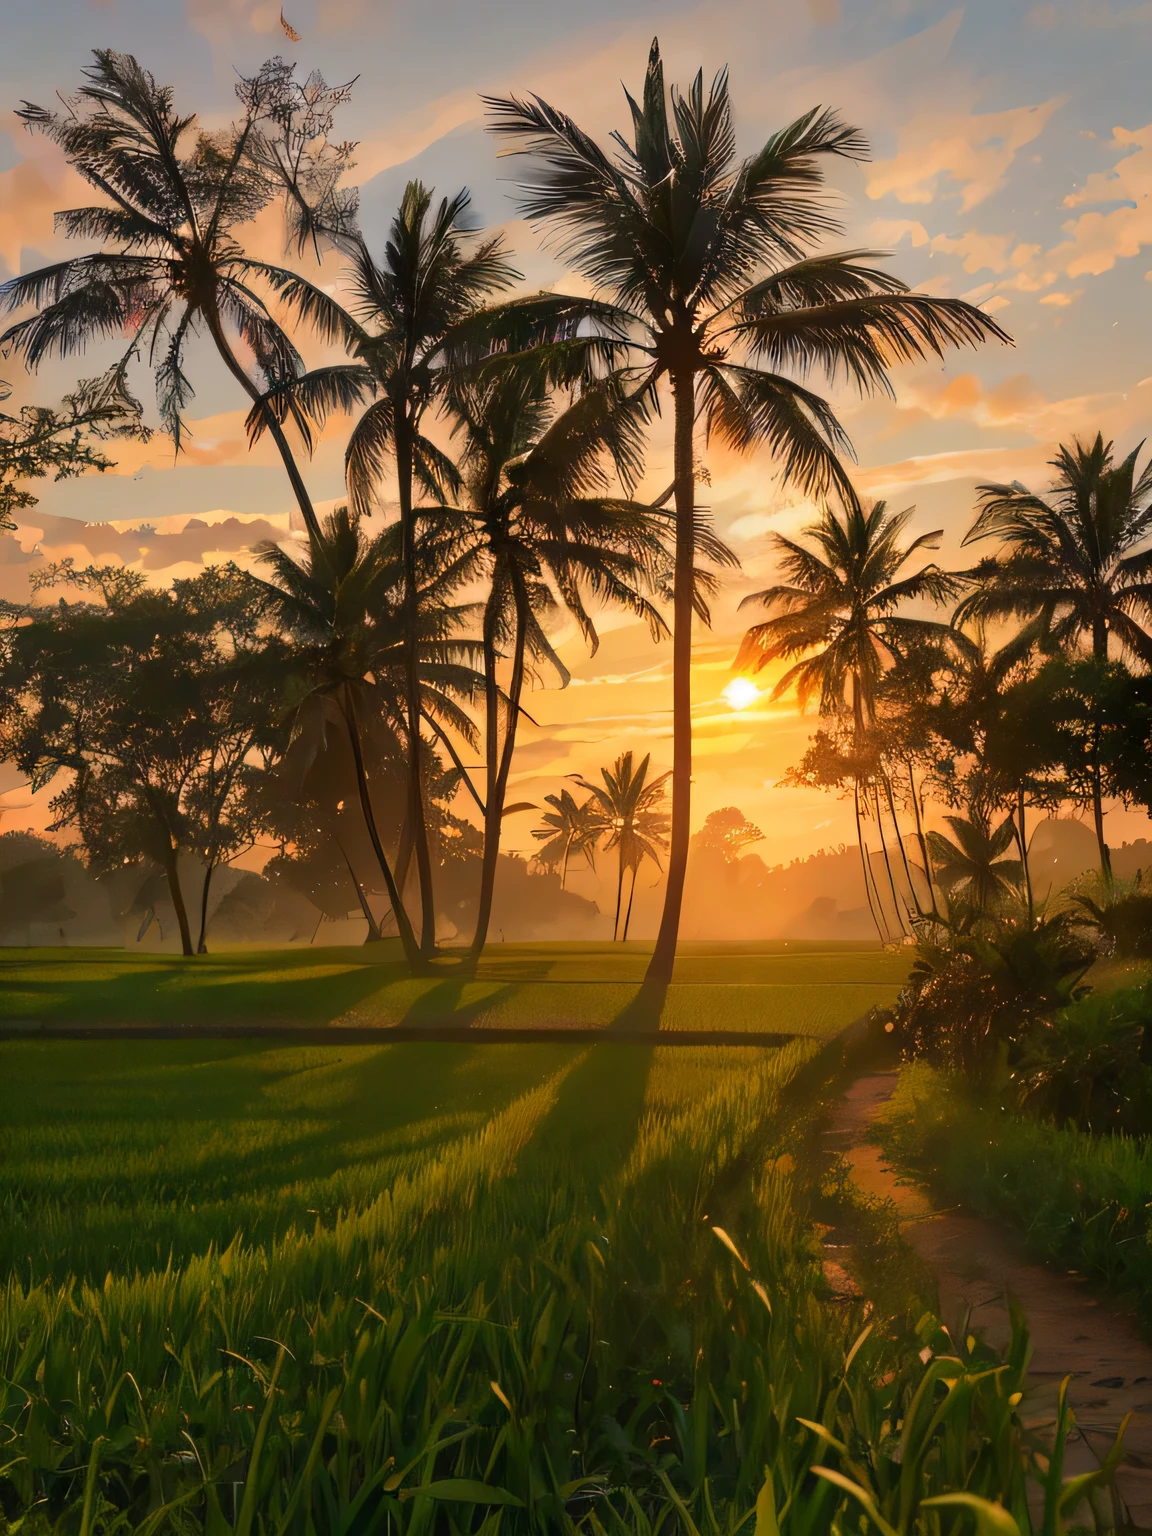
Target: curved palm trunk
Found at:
x=499, y=757
x=619, y=895
x=922, y=843
x=659, y=971
x=411, y=602
x=631, y=897
x=403, y=926
x=295, y=478
x=1100, y=654
x=896, y=903
x=373, y=925
x=865, y=867
x=920, y=913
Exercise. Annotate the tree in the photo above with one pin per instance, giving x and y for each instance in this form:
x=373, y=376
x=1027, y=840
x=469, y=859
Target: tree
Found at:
x=170, y=261
x=710, y=270
x=41, y=440
x=1077, y=562
x=837, y=619
x=628, y=809
x=148, y=703
x=972, y=864
x=567, y=829
x=539, y=528
x=343, y=610
x=728, y=831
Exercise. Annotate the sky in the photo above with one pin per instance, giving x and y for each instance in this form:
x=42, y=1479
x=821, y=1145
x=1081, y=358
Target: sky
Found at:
x=1011, y=165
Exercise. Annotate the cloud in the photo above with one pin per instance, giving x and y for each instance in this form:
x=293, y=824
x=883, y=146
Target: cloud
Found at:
x=957, y=153
x=1062, y=300
x=1097, y=240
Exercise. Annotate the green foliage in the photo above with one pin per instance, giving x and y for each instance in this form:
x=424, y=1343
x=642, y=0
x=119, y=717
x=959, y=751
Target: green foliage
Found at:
x=974, y=992
x=1122, y=919
x=1087, y=1065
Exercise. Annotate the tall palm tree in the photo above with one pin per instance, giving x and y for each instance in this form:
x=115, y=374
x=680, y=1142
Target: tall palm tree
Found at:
x=837, y=619
x=1077, y=563
x=539, y=528
x=973, y=865
x=709, y=270
x=567, y=829
x=342, y=608
x=627, y=809
x=405, y=310
x=170, y=262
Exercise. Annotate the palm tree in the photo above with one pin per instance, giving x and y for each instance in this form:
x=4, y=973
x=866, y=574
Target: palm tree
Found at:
x=405, y=312
x=973, y=866
x=837, y=619
x=709, y=267
x=1077, y=563
x=626, y=808
x=540, y=529
x=567, y=829
x=342, y=609
x=170, y=262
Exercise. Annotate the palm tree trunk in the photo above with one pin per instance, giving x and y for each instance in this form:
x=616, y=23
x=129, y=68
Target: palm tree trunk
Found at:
x=172, y=872
x=881, y=931
x=411, y=607
x=887, y=862
x=1022, y=843
x=1100, y=655
x=900, y=844
x=499, y=756
x=659, y=971
x=619, y=894
x=628, y=914
x=202, y=941
x=373, y=926
x=564, y=861
x=295, y=478
x=403, y=926
x=922, y=841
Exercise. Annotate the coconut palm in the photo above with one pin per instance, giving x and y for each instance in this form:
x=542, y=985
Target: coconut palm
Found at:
x=1076, y=563
x=973, y=867
x=169, y=261
x=627, y=808
x=568, y=828
x=538, y=526
x=403, y=314
x=709, y=263
x=342, y=608
x=836, y=618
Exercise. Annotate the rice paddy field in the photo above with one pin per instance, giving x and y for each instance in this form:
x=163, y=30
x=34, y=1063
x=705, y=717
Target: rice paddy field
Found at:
x=257, y=1286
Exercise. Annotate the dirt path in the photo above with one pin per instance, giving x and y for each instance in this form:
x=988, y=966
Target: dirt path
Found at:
x=978, y=1268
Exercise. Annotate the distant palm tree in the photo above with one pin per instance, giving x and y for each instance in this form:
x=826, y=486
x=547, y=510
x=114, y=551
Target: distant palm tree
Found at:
x=627, y=808
x=973, y=866
x=708, y=264
x=568, y=828
x=837, y=619
x=341, y=606
x=1077, y=563
x=538, y=526
x=170, y=261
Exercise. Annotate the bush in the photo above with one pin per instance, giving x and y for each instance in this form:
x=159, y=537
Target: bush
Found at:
x=1123, y=921
x=1088, y=1066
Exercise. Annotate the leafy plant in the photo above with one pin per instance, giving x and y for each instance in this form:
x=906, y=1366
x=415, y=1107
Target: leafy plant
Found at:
x=1086, y=1066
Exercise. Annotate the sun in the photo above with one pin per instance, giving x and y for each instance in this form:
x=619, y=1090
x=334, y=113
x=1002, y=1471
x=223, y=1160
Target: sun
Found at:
x=741, y=692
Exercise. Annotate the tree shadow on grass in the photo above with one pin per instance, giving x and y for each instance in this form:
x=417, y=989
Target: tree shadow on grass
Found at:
x=443, y=1005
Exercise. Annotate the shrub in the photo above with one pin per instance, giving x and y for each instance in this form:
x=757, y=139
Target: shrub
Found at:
x=1087, y=1066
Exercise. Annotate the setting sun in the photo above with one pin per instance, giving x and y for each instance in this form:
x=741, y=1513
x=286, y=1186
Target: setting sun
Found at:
x=741, y=692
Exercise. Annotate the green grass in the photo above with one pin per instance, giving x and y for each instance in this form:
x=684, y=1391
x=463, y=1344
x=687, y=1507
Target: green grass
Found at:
x=1078, y=1200
x=794, y=989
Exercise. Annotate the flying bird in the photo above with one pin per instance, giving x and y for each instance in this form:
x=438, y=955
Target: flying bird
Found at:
x=289, y=30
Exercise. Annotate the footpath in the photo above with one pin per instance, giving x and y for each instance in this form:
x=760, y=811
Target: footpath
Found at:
x=978, y=1270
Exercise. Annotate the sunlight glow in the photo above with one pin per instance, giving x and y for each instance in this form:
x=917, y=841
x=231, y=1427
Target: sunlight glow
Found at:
x=741, y=692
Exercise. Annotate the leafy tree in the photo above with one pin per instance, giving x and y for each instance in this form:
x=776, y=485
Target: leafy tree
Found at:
x=567, y=829
x=342, y=608
x=169, y=260
x=709, y=266
x=540, y=529
x=149, y=702
x=729, y=832
x=628, y=807
x=41, y=440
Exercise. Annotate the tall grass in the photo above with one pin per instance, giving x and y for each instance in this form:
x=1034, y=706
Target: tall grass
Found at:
x=602, y=1309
